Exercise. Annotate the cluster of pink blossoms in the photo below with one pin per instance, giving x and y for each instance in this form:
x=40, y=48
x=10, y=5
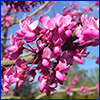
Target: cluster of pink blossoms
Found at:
x=68, y=89
x=5, y=20
x=55, y=52
x=76, y=79
x=21, y=5
x=84, y=89
x=14, y=7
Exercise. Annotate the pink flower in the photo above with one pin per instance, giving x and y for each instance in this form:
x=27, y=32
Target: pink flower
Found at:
x=47, y=57
x=64, y=13
x=62, y=67
x=13, y=75
x=90, y=23
x=47, y=83
x=91, y=30
x=78, y=54
x=68, y=89
x=62, y=21
x=87, y=9
x=15, y=49
x=59, y=39
x=75, y=80
x=28, y=30
x=84, y=89
x=47, y=22
x=32, y=73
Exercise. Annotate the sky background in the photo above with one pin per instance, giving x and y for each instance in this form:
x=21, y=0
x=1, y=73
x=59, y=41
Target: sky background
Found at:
x=89, y=63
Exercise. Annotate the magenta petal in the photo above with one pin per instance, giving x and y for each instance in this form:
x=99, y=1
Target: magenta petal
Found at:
x=78, y=58
x=19, y=84
x=12, y=40
x=19, y=32
x=57, y=50
x=50, y=24
x=60, y=76
x=96, y=42
x=6, y=78
x=6, y=90
x=84, y=20
x=14, y=55
x=92, y=23
x=64, y=13
x=59, y=39
x=54, y=85
x=43, y=31
x=13, y=80
x=48, y=93
x=45, y=63
x=62, y=63
x=61, y=30
x=68, y=19
x=68, y=33
x=30, y=37
x=82, y=88
x=47, y=53
x=31, y=79
x=40, y=78
x=42, y=85
x=94, y=34
x=18, y=62
x=43, y=20
x=86, y=31
x=33, y=25
x=12, y=48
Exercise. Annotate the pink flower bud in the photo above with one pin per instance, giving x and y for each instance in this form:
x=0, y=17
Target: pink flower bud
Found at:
x=57, y=50
x=68, y=33
x=43, y=31
x=45, y=63
x=31, y=79
x=61, y=30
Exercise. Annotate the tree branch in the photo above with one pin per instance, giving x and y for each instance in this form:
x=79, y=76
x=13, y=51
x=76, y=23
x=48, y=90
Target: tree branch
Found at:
x=27, y=57
x=35, y=12
x=62, y=90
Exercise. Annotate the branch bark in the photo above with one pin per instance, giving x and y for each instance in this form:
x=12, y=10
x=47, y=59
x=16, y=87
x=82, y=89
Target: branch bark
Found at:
x=63, y=90
x=7, y=62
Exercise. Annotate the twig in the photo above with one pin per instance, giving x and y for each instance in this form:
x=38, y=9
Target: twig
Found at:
x=35, y=12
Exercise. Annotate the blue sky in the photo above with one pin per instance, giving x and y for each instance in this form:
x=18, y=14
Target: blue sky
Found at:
x=89, y=63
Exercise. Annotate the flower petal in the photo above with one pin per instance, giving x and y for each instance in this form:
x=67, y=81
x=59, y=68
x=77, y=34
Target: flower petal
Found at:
x=78, y=58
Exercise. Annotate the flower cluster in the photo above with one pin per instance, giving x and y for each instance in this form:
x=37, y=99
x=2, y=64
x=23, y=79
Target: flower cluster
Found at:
x=55, y=52
x=21, y=5
x=84, y=89
x=68, y=89
x=5, y=20
x=76, y=79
